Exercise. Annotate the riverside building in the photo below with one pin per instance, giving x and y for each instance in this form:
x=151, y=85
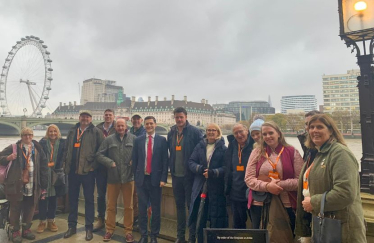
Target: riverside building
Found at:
x=340, y=91
x=304, y=103
x=199, y=113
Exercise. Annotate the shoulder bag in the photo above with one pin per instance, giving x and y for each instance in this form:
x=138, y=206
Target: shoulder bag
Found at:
x=5, y=169
x=326, y=229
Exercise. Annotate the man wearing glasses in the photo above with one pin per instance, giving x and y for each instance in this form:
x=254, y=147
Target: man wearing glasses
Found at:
x=236, y=158
x=182, y=139
x=82, y=143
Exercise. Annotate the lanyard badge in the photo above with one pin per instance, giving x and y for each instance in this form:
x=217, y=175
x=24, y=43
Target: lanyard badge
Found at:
x=178, y=147
x=273, y=173
x=240, y=167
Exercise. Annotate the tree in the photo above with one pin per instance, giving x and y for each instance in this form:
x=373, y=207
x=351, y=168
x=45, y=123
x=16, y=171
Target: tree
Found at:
x=280, y=119
x=295, y=122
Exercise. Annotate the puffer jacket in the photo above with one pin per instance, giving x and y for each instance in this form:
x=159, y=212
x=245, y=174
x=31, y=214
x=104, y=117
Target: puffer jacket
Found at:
x=113, y=150
x=215, y=184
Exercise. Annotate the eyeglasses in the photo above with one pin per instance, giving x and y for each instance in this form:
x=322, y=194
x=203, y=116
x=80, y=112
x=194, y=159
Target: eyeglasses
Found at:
x=241, y=132
x=25, y=135
x=211, y=130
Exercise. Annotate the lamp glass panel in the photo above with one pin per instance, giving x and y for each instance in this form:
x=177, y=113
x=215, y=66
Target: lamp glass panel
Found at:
x=357, y=20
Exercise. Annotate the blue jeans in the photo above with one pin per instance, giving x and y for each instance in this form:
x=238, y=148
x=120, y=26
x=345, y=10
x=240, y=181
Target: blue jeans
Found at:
x=88, y=184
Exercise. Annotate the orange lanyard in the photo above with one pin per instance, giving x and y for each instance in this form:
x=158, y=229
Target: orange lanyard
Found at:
x=26, y=157
x=240, y=150
x=274, y=165
x=179, y=139
x=79, y=135
x=308, y=171
x=51, y=157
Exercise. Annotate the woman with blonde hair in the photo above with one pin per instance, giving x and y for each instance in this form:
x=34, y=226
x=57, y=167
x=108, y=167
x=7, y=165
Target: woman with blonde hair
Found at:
x=208, y=163
x=272, y=174
x=25, y=183
x=334, y=171
x=53, y=147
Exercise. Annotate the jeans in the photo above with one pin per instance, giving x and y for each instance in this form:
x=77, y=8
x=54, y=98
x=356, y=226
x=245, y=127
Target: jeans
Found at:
x=239, y=214
x=88, y=184
x=147, y=193
x=182, y=194
x=47, y=208
x=101, y=186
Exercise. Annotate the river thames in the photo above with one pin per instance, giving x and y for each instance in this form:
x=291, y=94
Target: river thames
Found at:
x=354, y=144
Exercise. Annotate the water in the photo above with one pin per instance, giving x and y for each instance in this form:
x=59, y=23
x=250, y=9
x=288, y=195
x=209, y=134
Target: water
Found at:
x=354, y=145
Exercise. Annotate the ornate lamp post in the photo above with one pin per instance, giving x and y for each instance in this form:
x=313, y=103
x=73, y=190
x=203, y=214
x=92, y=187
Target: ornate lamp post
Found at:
x=357, y=30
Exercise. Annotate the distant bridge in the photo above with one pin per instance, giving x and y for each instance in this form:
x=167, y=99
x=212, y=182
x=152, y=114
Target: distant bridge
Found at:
x=12, y=126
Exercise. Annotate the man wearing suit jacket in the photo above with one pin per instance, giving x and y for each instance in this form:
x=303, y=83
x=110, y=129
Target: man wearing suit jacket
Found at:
x=150, y=165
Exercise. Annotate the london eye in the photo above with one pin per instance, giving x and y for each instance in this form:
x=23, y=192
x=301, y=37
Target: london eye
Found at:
x=26, y=78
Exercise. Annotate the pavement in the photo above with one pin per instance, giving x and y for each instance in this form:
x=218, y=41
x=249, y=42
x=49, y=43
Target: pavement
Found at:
x=61, y=222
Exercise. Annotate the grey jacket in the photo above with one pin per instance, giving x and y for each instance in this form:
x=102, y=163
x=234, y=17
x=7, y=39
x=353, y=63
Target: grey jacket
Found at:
x=113, y=150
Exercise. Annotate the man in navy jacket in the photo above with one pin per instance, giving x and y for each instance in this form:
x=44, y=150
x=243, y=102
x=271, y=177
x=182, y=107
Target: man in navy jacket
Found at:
x=150, y=166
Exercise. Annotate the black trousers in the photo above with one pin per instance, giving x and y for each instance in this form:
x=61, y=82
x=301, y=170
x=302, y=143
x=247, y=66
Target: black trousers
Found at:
x=148, y=193
x=47, y=208
x=88, y=184
x=101, y=178
x=182, y=189
x=239, y=213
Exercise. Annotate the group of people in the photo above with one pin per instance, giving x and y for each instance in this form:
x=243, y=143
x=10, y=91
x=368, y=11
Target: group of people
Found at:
x=259, y=174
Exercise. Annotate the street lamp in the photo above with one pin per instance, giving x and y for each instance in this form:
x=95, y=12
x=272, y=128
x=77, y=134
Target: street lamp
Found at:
x=356, y=20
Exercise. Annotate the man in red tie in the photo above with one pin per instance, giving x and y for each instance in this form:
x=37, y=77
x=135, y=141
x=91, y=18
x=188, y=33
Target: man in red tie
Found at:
x=150, y=166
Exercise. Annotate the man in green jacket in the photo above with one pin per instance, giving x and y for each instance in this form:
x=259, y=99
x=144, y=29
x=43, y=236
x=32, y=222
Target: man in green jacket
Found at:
x=82, y=143
x=115, y=154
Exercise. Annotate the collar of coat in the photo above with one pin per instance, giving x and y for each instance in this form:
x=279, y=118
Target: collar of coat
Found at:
x=174, y=128
x=326, y=146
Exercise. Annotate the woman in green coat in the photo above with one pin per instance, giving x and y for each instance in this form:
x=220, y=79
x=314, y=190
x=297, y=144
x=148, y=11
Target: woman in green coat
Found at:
x=335, y=170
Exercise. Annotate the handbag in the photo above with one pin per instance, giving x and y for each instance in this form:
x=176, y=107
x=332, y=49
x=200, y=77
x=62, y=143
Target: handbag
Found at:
x=5, y=169
x=58, y=177
x=259, y=196
x=326, y=229
x=25, y=176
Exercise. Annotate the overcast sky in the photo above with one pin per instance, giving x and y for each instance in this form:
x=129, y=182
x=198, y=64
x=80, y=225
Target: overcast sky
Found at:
x=217, y=50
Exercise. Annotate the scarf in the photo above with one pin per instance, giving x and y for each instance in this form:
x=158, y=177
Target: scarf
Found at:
x=55, y=150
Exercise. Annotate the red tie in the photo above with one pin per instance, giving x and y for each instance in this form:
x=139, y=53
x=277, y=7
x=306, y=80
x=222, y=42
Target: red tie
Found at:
x=149, y=155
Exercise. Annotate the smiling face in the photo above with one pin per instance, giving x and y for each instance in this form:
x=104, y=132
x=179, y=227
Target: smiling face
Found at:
x=136, y=122
x=85, y=120
x=52, y=133
x=256, y=135
x=211, y=133
x=319, y=133
x=150, y=126
x=27, y=138
x=240, y=134
x=108, y=117
x=270, y=136
x=121, y=127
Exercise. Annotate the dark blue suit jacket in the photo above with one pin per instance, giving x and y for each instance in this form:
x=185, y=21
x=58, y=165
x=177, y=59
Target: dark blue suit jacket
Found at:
x=159, y=160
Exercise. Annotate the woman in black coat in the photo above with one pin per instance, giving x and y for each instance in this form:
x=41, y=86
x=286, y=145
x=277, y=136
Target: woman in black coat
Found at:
x=53, y=146
x=208, y=163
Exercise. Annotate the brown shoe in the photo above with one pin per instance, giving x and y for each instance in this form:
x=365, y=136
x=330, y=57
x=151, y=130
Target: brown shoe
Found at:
x=41, y=227
x=99, y=225
x=107, y=236
x=52, y=225
x=129, y=238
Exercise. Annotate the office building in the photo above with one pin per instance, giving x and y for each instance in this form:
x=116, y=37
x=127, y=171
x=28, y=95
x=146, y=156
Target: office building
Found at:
x=97, y=90
x=340, y=92
x=304, y=103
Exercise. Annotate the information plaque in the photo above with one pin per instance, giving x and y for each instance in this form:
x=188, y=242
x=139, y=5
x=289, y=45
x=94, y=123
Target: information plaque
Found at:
x=235, y=236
